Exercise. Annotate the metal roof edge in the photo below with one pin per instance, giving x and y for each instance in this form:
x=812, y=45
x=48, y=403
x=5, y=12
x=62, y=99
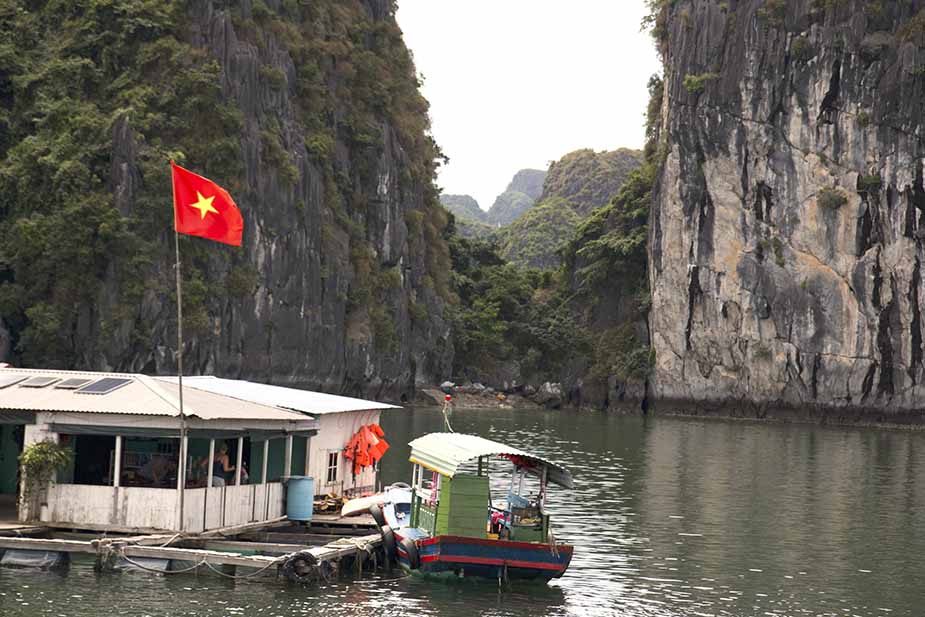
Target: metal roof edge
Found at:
x=173, y=380
x=174, y=402
x=193, y=378
x=438, y=452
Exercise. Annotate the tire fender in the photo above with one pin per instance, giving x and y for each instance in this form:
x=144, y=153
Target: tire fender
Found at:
x=375, y=511
x=411, y=549
x=388, y=542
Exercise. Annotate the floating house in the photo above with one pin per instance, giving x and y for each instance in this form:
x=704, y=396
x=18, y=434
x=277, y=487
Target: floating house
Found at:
x=339, y=419
x=130, y=463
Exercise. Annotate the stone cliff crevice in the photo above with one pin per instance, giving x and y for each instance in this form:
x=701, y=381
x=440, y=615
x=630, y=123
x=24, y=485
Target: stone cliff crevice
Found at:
x=792, y=188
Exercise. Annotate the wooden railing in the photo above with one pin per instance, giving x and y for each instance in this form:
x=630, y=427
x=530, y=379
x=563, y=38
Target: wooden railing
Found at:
x=423, y=516
x=157, y=508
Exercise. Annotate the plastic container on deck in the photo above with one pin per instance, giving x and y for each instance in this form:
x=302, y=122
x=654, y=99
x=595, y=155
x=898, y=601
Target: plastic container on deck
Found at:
x=300, y=498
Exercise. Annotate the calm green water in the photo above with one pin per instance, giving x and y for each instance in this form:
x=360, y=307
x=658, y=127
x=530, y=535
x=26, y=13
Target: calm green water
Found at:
x=669, y=518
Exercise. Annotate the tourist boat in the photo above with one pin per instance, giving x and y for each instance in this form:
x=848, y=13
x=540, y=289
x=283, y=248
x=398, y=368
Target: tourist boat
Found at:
x=457, y=529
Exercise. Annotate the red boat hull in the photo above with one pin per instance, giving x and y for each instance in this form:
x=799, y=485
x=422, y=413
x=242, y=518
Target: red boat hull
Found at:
x=494, y=559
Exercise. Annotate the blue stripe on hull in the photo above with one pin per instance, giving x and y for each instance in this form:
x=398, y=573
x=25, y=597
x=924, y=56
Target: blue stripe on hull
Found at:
x=478, y=558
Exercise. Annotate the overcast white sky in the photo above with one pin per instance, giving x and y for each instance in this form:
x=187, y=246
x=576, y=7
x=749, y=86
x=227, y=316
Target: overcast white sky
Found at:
x=514, y=84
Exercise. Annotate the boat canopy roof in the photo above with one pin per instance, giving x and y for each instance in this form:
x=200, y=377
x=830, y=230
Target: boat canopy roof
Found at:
x=445, y=452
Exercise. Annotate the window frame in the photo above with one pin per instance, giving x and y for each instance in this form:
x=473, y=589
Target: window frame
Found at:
x=332, y=467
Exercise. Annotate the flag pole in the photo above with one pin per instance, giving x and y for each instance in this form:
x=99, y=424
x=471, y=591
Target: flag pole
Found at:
x=181, y=463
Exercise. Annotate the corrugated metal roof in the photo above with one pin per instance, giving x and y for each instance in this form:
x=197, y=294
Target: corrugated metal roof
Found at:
x=215, y=406
x=290, y=398
x=144, y=395
x=141, y=396
x=445, y=452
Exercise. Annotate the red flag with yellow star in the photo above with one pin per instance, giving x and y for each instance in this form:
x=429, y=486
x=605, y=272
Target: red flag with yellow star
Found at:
x=203, y=208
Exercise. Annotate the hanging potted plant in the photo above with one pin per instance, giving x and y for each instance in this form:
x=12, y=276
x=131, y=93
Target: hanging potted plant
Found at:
x=39, y=463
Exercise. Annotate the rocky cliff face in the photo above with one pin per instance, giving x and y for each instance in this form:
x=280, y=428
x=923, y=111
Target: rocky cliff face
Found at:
x=308, y=113
x=787, y=228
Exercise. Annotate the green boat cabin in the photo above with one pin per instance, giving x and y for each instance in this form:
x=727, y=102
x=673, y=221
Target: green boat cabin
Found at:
x=450, y=501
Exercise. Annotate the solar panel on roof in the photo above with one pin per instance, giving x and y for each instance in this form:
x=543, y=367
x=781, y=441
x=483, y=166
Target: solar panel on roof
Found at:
x=39, y=382
x=8, y=380
x=73, y=383
x=104, y=385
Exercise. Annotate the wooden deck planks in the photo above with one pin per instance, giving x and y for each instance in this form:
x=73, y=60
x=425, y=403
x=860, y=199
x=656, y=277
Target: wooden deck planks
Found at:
x=210, y=547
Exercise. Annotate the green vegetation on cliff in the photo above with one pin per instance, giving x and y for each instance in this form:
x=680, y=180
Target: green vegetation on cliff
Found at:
x=68, y=76
x=582, y=323
x=508, y=206
x=471, y=220
x=586, y=179
x=575, y=186
x=463, y=206
x=609, y=248
x=534, y=239
x=300, y=111
x=510, y=323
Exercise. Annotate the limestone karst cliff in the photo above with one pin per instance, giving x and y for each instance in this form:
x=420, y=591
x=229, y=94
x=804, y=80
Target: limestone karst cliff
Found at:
x=308, y=112
x=786, y=234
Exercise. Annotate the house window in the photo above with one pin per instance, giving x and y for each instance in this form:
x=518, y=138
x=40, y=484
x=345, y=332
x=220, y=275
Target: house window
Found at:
x=333, y=461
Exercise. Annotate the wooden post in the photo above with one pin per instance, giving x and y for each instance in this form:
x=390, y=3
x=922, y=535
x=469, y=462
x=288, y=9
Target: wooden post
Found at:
x=117, y=464
x=239, y=462
x=308, y=450
x=287, y=459
x=181, y=478
x=180, y=456
x=263, y=477
x=181, y=464
x=543, y=480
x=211, y=462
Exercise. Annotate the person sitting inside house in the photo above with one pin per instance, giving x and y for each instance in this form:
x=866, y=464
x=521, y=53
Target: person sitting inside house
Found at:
x=220, y=465
x=157, y=470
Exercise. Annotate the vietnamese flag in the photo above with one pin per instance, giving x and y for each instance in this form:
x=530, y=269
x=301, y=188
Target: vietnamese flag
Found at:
x=203, y=208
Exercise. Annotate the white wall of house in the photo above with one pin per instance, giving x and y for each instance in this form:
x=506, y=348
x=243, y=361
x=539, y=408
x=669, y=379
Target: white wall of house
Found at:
x=140, y=508
x=334, y=431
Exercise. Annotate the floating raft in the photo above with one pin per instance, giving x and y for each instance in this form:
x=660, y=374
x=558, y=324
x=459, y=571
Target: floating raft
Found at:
x=219, y=551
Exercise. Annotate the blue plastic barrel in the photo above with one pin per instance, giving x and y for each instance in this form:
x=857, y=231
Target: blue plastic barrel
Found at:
x=300, y=498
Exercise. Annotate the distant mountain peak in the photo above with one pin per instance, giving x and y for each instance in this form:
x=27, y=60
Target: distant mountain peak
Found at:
x=522, y=192
x=463, y=206
x=587, y=179
x=529, y=182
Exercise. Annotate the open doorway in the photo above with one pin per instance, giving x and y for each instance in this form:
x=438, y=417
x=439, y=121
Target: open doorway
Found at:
x=11, y=444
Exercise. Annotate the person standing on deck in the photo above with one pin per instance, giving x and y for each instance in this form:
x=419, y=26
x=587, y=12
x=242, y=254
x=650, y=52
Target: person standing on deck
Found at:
x=220, y=465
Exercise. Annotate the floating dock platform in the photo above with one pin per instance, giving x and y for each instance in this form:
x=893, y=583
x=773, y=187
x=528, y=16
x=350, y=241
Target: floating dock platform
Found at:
x=276, y=547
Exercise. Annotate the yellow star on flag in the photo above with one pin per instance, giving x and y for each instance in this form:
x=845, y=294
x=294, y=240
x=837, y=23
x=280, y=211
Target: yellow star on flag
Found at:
x=204, y=205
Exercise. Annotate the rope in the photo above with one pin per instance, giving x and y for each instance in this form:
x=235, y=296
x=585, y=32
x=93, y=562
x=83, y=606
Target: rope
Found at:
x=446, y=416
x=144, y=567
x=168, y=542
x=110, y=547
x=236, y=576
x=361, y=545
x=203, y=562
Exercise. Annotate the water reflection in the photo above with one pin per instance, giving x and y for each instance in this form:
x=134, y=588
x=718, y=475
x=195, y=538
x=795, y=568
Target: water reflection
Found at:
x=669, y=518
x=687, y=517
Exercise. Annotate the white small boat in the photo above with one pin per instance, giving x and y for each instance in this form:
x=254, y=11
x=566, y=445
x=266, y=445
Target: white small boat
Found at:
x=394, y=503
x=361, y=505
